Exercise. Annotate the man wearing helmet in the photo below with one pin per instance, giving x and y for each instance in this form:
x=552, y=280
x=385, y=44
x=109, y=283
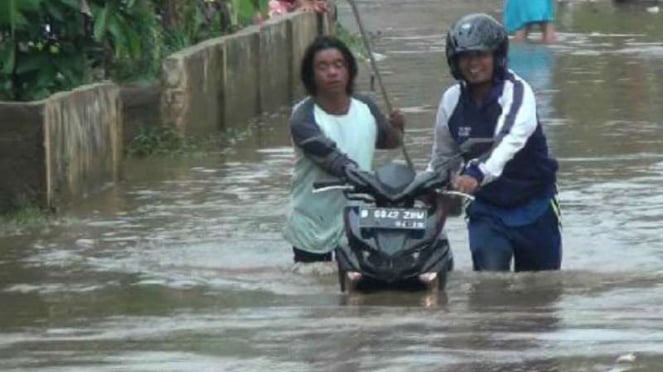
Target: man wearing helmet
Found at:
x=515, y=213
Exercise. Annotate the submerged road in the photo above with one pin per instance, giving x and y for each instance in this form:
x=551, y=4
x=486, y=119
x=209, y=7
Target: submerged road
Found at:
x=182, y=266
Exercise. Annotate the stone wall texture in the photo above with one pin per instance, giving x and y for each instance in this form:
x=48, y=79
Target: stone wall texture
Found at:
x=304, y=30
x=192, y=82
x=22, y=159
x=141, y=109
x=274, y=64
x=61, y=148
x=225, y=82
x=82, y=141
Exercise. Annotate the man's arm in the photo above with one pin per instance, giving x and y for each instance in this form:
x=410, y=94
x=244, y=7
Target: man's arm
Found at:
x=307, y=135
x=444, y=146
x=515, y=126
x=444, y=159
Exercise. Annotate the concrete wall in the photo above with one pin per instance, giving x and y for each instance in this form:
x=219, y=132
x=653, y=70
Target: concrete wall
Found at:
x=241, y=88
x=22, y=159
x=141, y=109
x=82, y=141
x=192, y=83
x=56, y=150
x=225, y=82
x=275, y=61
x=304, y=30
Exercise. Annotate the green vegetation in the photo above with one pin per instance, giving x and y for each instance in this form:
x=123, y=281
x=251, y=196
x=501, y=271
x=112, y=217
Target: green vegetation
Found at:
x=164, y=141
x=25, y=216
x=52, y=45
x=352, y=40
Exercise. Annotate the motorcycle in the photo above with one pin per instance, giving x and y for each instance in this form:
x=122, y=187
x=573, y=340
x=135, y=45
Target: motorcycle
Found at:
x=396, y=234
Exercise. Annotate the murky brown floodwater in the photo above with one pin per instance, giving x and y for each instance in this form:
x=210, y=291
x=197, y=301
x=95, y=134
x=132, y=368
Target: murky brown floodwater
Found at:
x=182, y=267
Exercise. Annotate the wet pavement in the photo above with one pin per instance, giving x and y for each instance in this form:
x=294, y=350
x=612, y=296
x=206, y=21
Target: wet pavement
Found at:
x=182, y=267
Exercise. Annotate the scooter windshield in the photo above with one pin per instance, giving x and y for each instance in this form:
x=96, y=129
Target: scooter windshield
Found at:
x=395, y=182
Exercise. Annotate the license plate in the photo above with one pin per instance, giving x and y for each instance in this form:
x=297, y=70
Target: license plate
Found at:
x=393, y=218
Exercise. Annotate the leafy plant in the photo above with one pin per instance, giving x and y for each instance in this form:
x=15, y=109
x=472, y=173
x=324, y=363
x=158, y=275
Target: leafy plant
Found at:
x=43, y=55
x=352, y=40
x=24, y=216
x=130, y=38
x=166, y=141
x=244, y=11
x=155, y=140
x=53, y=45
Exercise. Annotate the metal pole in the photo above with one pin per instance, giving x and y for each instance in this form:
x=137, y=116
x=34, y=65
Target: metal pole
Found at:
x=376, y=72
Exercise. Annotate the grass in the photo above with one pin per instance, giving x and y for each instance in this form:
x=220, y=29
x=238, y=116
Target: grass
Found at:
x=164, y=141
x=168, y=142
x=25, y=216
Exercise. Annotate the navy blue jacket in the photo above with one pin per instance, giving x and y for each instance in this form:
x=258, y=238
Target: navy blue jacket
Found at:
x=518, y=166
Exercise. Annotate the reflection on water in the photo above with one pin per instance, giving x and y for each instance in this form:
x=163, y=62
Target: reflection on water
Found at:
x=536, y=64
x=182, y=267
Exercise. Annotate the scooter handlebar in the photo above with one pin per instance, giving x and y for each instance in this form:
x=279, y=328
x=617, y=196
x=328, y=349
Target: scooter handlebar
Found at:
x=324, y=184
x=457, y=193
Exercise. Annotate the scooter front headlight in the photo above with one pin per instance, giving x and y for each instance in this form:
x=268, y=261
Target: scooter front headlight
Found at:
x=427, y=277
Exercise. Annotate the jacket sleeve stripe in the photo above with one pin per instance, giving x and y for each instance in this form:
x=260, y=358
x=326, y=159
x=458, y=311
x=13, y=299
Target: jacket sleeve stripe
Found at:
x=517, y=126
x=444, y=146
x=514, y=109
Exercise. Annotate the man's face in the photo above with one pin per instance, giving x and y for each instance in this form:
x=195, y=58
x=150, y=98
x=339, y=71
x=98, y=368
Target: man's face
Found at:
x=331, y=72
x=476, y=67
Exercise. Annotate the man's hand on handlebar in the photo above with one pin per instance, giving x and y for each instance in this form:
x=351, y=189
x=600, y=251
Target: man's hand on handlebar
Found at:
x=465, y=184
x=351, y=175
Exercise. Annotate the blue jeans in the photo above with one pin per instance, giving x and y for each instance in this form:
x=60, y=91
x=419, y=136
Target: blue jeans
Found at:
x=533, y=247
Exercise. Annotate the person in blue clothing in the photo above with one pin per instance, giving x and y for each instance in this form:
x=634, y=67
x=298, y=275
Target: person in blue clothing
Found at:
x=521, y=15
x=515, y=214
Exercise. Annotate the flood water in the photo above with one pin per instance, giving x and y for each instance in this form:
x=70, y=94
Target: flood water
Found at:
x=182, y=266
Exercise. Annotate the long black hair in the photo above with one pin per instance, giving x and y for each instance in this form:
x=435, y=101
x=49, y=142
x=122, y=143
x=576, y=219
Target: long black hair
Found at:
x=321, y=43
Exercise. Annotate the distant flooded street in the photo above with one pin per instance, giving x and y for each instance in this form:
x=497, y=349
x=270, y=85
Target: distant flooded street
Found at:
x=182, y=267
